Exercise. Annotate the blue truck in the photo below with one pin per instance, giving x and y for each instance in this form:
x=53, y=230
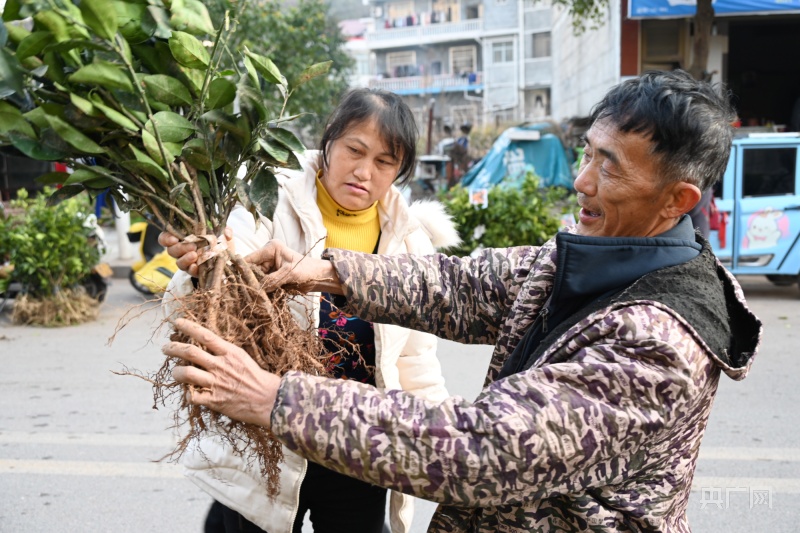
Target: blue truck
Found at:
x=759, y=198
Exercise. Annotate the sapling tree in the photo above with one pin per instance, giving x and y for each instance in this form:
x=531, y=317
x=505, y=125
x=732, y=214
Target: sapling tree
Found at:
x=132, y=95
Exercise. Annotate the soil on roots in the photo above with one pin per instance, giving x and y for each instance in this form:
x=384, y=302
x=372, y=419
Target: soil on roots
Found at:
x=67, y=307
x=241, y=311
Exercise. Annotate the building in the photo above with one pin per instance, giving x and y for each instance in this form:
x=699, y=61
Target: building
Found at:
x=750, y=50
x=475, y=61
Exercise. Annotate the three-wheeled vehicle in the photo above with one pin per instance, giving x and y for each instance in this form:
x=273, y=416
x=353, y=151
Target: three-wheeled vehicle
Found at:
x=760, y=194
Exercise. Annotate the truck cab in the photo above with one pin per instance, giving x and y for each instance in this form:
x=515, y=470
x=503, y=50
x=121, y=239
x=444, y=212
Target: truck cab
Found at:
x=759, y=197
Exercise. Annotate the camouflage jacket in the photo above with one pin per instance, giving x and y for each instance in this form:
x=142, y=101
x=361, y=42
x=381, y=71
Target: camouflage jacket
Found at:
x=601, y=433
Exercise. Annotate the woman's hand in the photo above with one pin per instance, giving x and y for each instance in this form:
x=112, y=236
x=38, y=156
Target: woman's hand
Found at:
x=227, y=380
x=287, y=268
x=187, y=253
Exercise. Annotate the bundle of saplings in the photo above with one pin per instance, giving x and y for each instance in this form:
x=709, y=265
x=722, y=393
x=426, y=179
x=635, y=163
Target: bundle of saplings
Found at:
x=132, y=95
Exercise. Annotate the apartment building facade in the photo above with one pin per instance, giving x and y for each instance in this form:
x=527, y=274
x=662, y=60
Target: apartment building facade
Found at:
x=471, y=61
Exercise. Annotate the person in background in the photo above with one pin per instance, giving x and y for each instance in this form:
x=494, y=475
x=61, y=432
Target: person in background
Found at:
x=610, y=341
x=443, y=147
x=344, y=197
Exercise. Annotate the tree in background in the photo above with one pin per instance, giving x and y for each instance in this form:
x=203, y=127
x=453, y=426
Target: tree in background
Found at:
x=295, y=36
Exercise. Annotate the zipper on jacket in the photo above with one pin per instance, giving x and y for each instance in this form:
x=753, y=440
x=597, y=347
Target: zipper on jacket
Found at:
x=544, y=313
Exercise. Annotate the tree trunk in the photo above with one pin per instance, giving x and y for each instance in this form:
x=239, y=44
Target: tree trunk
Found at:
x=703, y=20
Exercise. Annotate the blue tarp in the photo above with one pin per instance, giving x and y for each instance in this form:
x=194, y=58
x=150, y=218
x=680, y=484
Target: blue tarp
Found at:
x=509, y=160
x=687, y=8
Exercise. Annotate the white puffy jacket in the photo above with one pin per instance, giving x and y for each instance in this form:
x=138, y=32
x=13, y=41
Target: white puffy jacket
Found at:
x=405, y=359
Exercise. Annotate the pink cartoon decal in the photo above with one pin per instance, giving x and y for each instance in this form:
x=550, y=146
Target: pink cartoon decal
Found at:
x=765, y=228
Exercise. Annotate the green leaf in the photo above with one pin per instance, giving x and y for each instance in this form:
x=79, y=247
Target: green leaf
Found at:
x=98, y=16
x=34, y=149
x=11, y=11
x=176, y=191
x=3, y=35
x=188, y=50
x=161, y=18
x=11, y=78
x=221, y=92
x=152, y=58
x=81, y=175
x=286, y=138
x=251, y=72
x=275, y=150
x=171, y=126
x=312, y=72
x=54, y=23
x=263, y=192
x=243, y=194
x=196, y=154
x=16, y=33
x=33, y=44
x=151, y=145
x=52, y=178
x=55, y=67
x=65, y=192
x=151, y=169
x=15, y=122
x=167, y=89
x=84, y=105
x=115, y=116
x=72, y=44
x=74, y=137
x=193, y=77
x=104, y=74
x=265, y=67
x=192, y=19
x=134, y=21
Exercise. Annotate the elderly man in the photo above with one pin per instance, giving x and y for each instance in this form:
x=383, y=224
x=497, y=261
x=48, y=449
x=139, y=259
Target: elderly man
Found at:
x=610, y=340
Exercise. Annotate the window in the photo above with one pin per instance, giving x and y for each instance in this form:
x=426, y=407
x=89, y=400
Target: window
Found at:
x=400, y=9
x=541, y=44
x=401, y=64
x=662, y=44
x=463, y=59
x=769, y=171
x=473, y=12
x=503, y=52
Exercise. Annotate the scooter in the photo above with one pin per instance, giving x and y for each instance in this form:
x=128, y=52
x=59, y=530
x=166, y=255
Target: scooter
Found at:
x=152, y=272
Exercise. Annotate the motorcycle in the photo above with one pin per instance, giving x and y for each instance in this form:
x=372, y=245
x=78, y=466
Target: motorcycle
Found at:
x=153, y=271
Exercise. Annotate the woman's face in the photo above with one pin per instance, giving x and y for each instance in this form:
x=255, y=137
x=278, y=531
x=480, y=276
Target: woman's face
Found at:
x=360, y=167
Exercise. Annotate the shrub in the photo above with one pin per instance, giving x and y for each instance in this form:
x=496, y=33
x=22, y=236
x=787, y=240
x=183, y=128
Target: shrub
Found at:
x=50, y=248
x=516, y=215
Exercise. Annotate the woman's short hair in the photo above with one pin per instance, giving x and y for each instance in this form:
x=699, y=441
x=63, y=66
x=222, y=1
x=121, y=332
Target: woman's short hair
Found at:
x=392, y=116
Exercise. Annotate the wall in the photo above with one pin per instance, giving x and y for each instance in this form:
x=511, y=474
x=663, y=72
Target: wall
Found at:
x=500, y=14
x=586, y=66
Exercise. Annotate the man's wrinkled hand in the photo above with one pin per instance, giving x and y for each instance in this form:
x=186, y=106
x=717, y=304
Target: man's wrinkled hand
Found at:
x=287, y=268
x=225, y=378
x=187, y=253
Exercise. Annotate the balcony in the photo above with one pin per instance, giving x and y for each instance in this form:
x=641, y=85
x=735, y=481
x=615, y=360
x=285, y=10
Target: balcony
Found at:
x=430, y=84
x=424, y=34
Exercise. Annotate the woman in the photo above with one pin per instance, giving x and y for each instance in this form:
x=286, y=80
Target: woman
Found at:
x=343, y=198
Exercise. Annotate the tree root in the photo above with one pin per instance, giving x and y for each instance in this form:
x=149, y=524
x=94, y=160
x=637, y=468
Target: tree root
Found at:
x=236, y=307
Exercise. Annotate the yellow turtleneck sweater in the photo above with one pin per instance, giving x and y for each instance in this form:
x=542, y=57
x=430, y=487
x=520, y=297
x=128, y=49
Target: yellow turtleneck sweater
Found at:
x=350, y=230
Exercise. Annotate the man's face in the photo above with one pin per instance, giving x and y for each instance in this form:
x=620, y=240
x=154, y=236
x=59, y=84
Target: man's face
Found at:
x=618, y=185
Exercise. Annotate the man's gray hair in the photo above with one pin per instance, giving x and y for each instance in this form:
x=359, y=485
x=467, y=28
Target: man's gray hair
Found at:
x=688, y=122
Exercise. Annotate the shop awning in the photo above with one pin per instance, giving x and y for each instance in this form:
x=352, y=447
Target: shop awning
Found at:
x=640, y=9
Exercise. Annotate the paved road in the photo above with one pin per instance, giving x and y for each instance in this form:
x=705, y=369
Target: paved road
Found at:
x=78, y=444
